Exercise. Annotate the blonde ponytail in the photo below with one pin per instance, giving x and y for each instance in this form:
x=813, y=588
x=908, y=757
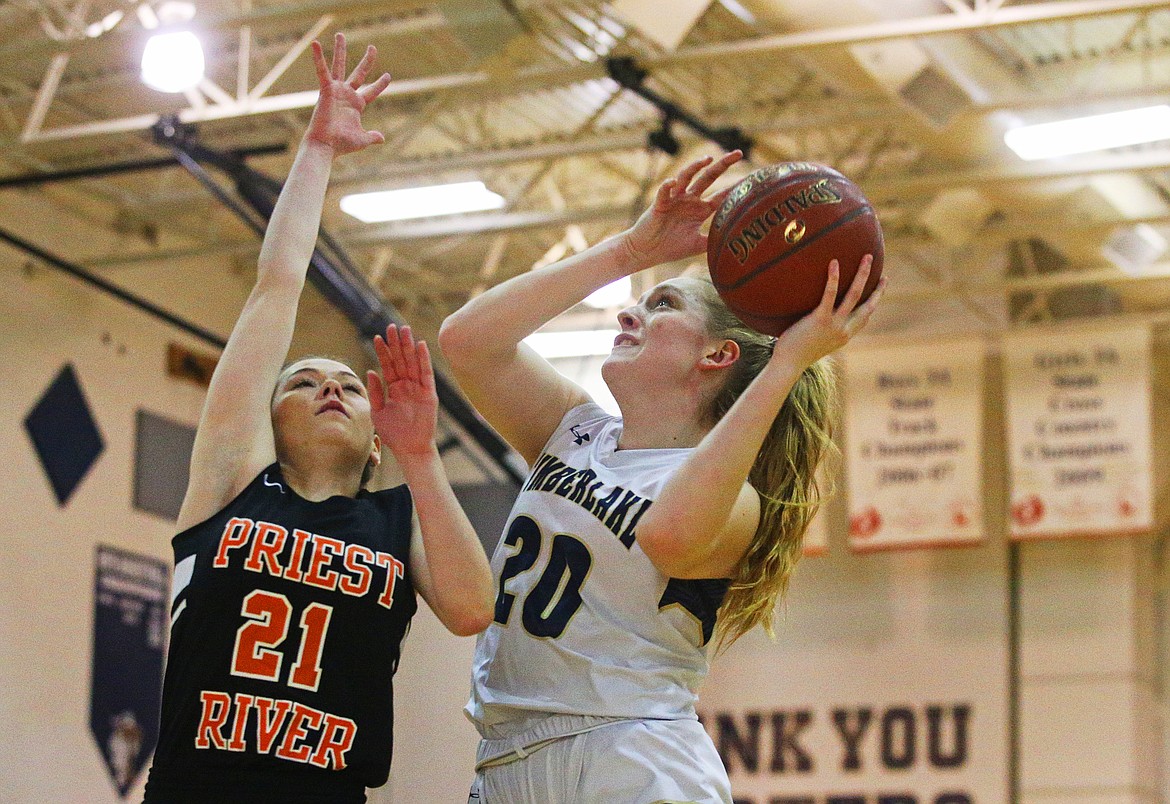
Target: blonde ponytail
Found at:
x=784, y=474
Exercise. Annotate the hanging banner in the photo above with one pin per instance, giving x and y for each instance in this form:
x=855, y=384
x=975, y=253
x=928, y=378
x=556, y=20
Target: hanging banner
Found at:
x=914, y=430
x=129, y=626
x=1079, y=432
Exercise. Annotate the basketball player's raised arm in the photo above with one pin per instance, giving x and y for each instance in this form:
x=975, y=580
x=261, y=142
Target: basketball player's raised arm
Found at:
x=234, y=439
x=448, y=566
x=515, y=389
x=704, y=519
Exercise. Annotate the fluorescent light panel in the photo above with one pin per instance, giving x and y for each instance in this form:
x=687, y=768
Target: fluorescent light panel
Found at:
x=1096, y=133
x=577, y=343
x=421, y=202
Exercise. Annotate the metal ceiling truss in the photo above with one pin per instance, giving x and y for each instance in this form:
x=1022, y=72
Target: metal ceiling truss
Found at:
x=984, y=15
x=884, y=189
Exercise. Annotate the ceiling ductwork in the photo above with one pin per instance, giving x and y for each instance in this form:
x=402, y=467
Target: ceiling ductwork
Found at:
x=907, y=71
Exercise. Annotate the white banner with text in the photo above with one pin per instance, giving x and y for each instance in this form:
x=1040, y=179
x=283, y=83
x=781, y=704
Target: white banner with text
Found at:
x=1078, y=420
x=914, y=432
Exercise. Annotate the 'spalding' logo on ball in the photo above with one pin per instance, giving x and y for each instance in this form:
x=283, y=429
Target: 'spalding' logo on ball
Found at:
x=784, y=212
x=756, y=179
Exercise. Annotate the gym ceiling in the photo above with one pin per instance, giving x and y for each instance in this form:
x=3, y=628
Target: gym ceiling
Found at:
x=909, y=98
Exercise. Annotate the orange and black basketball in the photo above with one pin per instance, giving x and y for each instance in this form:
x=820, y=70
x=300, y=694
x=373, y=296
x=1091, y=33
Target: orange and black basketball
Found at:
x=772, y=239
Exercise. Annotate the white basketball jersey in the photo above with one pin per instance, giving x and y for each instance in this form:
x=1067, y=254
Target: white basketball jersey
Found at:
x=584, y=622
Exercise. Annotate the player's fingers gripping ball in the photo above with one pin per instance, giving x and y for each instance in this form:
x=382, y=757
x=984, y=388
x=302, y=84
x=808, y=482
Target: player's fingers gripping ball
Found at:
x=773, y=237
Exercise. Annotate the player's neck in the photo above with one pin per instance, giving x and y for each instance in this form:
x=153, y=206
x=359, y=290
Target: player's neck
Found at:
x=654, y=423
x=318, y=480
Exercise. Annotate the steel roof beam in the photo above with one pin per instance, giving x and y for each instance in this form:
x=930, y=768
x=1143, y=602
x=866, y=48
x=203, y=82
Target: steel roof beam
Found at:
x=1059, y=10
x=636, y=139
x=930, y=25
x=124, y=38
x=889, y=189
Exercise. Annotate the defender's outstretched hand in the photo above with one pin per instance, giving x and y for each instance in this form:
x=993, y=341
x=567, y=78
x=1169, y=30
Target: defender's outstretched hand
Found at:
x=669, y=229
x=403, y=402
x=337, y=119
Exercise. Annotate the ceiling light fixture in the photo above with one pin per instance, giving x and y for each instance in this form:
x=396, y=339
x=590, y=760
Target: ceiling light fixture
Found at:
x=106, y=23
x=173, y=60
x=1094, y=133
x=421, y=202
x=146, y=16
x=738, y=9
x=663, y=139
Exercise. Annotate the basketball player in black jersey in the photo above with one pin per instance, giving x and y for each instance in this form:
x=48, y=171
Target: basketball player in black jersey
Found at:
x=294, y=585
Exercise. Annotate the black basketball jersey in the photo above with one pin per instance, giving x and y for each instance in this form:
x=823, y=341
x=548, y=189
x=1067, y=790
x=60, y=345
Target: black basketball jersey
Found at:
x=287, y=619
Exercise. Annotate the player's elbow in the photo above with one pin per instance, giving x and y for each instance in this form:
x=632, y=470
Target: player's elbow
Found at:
x=469, y=622
x=458, y=338
x=666, y=551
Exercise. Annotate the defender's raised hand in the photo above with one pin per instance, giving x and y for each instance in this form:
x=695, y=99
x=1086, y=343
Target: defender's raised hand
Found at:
x=337, y=118
x=403, y=401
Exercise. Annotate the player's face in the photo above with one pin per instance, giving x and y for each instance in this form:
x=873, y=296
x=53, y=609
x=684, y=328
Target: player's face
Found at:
x=664, y=334
x=322, y=399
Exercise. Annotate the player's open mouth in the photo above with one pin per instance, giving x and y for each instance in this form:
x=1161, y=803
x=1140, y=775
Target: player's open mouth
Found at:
x=624, y=339
x=337, y=406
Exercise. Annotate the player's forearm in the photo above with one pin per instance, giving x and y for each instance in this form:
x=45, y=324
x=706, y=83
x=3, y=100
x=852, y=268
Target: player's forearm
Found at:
x=696, y=502
x=504, y=315
x=461, y=579
x=292, y=231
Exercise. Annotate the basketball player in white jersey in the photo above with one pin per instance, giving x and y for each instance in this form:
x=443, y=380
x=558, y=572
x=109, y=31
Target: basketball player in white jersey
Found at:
x=638, y=538
x=295, y=585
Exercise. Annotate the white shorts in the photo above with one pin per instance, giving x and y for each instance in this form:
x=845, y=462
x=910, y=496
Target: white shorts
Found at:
x=627, y=761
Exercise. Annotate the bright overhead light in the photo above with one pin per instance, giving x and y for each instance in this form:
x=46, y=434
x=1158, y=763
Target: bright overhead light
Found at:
x=172, y=62
x=421, y=202
x=1134, y=249
x=1096, y=133
x=577, y=343
x=613, y=294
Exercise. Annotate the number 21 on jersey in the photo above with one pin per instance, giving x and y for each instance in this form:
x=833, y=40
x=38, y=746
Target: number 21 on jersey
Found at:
x=267, y=616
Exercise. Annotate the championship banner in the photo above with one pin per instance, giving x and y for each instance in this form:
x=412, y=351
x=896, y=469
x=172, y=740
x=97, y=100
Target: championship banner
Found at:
x=1079, y=432
x=914, y=432
x=129, y=627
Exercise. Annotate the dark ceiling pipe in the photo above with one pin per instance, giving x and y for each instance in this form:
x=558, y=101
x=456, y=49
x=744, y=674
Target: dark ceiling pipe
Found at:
x=626, y=71
x=36, y=179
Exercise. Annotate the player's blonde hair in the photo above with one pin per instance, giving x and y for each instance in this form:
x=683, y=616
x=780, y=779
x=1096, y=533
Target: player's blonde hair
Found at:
x=784, y=473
